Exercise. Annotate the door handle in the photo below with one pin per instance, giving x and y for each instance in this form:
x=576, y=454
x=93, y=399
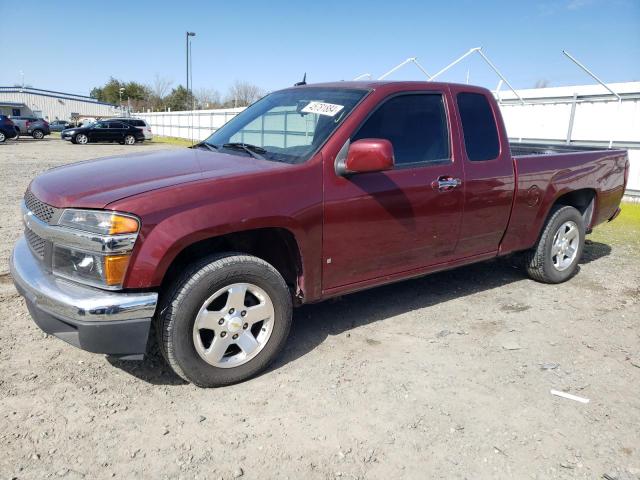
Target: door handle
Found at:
x=445, y=183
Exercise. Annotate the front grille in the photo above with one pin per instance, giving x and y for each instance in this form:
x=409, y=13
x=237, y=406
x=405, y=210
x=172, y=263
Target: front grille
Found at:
x=40, y=209
x=36, y=243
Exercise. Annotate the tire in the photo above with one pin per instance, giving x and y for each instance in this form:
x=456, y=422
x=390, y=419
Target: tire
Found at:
x=555, y=259
x=3, y=137
x=129, y=140
x=37, y=134
x=81, y=139
x=188, y=330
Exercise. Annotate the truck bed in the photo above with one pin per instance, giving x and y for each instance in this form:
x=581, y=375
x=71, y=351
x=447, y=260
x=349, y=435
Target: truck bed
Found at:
x=545, y=173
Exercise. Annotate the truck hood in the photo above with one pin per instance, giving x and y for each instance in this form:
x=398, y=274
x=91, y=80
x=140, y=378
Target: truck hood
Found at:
x=96, y=183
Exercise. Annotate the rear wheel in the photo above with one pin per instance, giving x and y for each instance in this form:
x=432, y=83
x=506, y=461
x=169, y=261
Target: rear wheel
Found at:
x=37, y=134
x=82, y=139
x=3, y=137
x=224, y=320
x=555, y=257
x=129, y=140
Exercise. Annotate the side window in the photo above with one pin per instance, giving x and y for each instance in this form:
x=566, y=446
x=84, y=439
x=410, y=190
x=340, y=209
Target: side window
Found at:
x=116, y=125
x=137, y=123
x=479, y=127
x=416, y=126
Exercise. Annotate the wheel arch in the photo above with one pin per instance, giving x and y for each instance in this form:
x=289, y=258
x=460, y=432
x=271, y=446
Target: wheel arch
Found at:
x=583, y=200
x=275, y=245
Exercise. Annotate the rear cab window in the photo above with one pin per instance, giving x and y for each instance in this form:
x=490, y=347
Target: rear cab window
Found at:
x=479, y=127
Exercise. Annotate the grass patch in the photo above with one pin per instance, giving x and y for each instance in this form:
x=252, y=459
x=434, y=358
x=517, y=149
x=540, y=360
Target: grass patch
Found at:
x=181, y=142
x=624, y=230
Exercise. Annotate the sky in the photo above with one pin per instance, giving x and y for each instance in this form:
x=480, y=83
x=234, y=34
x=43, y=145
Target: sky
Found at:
x=73, y=47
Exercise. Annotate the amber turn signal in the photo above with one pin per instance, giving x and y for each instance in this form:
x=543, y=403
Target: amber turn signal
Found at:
x=121, y=224
x=115, y=266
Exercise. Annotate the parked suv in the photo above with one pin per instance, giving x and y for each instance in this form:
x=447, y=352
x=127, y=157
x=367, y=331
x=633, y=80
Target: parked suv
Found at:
x=138, y=123
x=59, y=125
x=32, y=126
x=7, y=128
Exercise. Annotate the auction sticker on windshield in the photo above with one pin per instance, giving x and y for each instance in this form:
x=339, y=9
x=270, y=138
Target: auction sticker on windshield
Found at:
x=321, y=108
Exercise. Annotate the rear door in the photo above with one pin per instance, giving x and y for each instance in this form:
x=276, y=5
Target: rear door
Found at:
x=117, y=131
x=489, y=174
x=382, y=223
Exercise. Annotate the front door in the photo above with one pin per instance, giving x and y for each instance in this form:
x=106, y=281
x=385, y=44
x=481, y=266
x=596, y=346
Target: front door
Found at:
x=382, y=223
x=99, y=132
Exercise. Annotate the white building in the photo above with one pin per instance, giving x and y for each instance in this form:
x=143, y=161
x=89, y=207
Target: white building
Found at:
x=52, y=105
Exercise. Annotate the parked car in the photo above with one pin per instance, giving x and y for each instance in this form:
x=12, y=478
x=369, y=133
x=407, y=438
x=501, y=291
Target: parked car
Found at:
x=138, y=123
x=369, y=183
x=104, y=131
x=59, y=125
x=32, y=126
x=7, y=128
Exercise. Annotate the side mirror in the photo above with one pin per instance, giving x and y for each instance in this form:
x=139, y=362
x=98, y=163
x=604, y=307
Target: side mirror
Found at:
x=366, y=155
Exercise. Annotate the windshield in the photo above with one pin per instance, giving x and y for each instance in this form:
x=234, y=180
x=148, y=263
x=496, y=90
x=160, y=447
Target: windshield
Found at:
x=287, y=126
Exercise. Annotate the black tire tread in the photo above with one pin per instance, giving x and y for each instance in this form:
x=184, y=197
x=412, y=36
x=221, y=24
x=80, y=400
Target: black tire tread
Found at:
x=534, y=259
x=181, y=286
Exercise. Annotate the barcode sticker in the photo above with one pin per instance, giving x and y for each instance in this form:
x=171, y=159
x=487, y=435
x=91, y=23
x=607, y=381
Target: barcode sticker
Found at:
x=321, y=108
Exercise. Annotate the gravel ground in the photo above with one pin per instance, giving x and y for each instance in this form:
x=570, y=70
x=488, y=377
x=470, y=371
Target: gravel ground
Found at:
x=448, y=376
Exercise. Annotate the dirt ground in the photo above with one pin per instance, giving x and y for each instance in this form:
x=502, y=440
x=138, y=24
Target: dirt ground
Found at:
x=448, y=376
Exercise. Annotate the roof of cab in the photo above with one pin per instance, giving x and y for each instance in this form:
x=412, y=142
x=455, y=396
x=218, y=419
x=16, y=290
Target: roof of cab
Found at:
x=373, y=84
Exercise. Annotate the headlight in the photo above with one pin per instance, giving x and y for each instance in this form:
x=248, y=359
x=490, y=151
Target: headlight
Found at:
x=99, y=221
x=92, y=264
x=70, y=132
x=90, y=268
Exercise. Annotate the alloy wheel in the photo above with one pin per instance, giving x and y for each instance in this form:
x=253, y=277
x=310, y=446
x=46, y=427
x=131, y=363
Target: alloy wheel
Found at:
x=565, y=245
x=233, y=325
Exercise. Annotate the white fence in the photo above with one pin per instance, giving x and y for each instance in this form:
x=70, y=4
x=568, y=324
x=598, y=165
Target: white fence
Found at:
x=196, y=125
x=578, y=115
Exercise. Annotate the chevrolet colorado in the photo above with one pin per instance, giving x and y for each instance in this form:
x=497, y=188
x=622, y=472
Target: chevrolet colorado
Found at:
x=312, y=192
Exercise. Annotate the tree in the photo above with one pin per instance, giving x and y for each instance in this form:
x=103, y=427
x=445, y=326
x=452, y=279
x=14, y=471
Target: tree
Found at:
x=133, y=93
x=161, y=86
x=178, y=99
x=110, y=92
x=242, y=94
x=137, y=95
x=207, y=98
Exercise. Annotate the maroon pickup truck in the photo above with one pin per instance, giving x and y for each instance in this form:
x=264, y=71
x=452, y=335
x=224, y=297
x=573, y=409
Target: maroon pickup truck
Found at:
x=312, y=192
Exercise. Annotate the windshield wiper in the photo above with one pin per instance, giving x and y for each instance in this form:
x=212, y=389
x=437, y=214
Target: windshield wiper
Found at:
x=208, y=146
x=252, y=150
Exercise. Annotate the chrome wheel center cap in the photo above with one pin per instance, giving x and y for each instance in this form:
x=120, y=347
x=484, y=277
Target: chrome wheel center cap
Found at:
x=234, y=324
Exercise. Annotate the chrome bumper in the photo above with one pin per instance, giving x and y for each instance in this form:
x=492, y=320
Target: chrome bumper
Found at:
x=72, y=302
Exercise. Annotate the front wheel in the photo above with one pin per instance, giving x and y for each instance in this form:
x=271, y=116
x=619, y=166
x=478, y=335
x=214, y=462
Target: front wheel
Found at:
x=555, y=257
x=224, y=320
x=37, y=134
x=82, y=139
x=3, y=137
x=129, y=140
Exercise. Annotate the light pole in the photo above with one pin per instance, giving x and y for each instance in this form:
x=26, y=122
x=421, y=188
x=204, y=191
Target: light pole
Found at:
x=189, y=99
x=188, y=34
x=121, y=91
